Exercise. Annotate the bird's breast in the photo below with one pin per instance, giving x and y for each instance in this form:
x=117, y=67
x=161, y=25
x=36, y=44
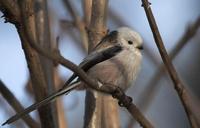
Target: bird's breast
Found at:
x=120, y=70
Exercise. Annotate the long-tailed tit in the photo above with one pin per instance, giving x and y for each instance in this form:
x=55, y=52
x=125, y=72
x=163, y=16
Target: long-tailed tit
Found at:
x=120, y=70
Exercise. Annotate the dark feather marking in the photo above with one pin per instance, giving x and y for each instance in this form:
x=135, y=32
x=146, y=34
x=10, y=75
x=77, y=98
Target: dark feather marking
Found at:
x=107, y=40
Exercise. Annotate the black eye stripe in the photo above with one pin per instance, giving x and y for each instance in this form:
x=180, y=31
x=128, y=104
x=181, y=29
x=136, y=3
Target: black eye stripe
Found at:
x=130, y=42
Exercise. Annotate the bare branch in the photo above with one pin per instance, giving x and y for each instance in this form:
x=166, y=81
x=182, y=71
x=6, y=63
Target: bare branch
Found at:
x=35, y=71
x=87, y=9
x=11, y=11
x=97, y=28
x=126, y=101
x=149, y=93
x=43, y=39
x=15, y=104
x=178, y=85
x=78, y=22
x=34, y=64
x=189, y=33
x=97, y=103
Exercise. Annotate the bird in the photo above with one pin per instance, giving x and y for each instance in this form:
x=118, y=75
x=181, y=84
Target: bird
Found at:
x=120, y=70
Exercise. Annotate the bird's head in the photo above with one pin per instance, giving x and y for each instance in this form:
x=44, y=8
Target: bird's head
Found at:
x=129, y=39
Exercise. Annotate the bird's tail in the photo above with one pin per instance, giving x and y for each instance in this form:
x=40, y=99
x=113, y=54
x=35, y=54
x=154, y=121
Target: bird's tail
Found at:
x=45, y=101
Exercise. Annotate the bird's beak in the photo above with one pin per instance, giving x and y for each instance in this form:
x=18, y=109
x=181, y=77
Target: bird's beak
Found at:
x=140, y=47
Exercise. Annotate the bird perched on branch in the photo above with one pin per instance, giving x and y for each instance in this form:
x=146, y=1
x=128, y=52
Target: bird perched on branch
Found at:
x=115, y=60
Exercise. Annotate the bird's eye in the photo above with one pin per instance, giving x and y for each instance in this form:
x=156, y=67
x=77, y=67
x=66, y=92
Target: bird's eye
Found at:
x=130, y=42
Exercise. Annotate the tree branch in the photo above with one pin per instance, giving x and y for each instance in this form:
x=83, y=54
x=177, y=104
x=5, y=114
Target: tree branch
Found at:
x=178, y=85
x=189, y=33
x=78, y=23
x=87, y=9
x=10, y=10
x=43, y=39
x=15, y=104
x=33, y=60
x=149, y=93
x=97, y=104
x=97, y=27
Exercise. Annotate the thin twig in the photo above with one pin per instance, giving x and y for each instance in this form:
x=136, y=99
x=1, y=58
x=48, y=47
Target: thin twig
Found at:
x=33, y=60
x=15, y=104
x=149, y=93
x=87, y=9
x=97, y=27
x=178, y=85
x=62, y=120
x=43, y=39
x=97, y=104
x=189, y=33
x=78, y=23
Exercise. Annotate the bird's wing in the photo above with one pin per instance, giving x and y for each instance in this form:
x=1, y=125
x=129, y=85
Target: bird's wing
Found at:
x=95, y=58
x=105, y=49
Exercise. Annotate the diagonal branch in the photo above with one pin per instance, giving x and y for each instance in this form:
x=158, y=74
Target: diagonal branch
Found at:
x=189, y=33
x=15, y=104
x=178, y=85
x=149, y=93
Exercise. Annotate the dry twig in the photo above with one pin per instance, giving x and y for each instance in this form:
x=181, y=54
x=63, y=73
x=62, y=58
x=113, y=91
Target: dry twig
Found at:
x=15, y=104
x=98, y=106
x=36, y=73
x=87, y=9
x=189, y=33
x=150, y=91
x=78, y=23
x=42, y=31
x=178, y=85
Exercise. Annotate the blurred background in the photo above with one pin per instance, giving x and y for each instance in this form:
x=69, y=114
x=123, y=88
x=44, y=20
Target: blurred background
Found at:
x=153, y=93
